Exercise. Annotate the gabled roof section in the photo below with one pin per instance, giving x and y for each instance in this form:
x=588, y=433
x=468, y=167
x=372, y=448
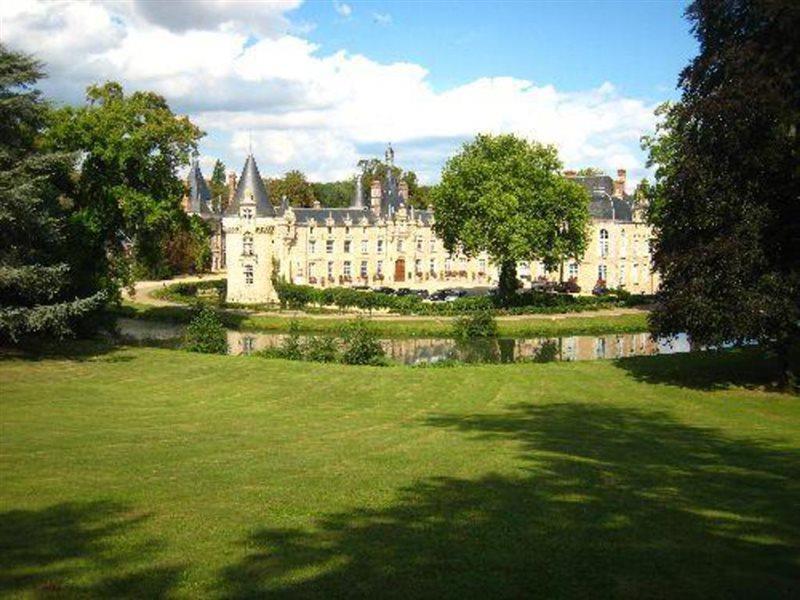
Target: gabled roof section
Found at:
x=251, y=190
x=199, y=194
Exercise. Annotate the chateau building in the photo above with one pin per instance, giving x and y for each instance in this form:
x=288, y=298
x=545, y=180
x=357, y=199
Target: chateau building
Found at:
x=379, y=240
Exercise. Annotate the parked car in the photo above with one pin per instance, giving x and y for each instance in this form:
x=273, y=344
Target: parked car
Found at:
x=404, y=292
x=421, y=293
x=384, y=290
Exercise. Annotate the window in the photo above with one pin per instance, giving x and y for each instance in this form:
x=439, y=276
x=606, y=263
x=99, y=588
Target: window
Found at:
x=312, y=246
x=247, y=212
x=330, y=230
x=603, y=243
x=380, y=246
x=380, y=267
x=311, y=230
x=448, y=265
x=346, y=270
x=247, y=244
x=635, y=274
x=347, y=246
x=347, y=230
x=418, y=266
x=248, y=274
x=602, y=271
x=623, y=243
x=573, y=270
x=364, y=246
x=329, y=246
x=433, y=265
x=312, y=270
x=482, y=266
x=399, y=245
x=363, y=270
x=525, y=270
x=622, y=275
x=433, y=245
x=330, y=269
x=419, y=244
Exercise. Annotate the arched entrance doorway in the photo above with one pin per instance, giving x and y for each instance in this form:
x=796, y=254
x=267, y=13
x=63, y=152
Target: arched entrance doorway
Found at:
x=400, y=269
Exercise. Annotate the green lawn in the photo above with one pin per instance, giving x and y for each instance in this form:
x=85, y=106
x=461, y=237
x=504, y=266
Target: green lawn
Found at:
x=529, y=326
x=156, y=473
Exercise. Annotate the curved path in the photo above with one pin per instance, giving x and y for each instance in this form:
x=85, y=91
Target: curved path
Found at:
x=143, y=291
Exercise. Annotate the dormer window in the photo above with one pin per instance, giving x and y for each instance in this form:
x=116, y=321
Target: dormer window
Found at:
x=247, y=212
x=247, y=244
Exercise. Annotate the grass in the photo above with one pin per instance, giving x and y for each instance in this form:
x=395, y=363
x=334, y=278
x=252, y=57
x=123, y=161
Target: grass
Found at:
x=152, y=473
x=534, y=326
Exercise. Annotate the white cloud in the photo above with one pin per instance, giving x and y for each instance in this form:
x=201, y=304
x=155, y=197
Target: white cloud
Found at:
x=342, y=8
x=308, y=110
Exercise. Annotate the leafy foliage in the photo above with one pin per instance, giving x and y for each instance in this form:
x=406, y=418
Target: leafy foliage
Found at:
x=127, y=193
x=205, y=333
x=725, y=204
x=479, y=324
x=294, y=186
x=360, y=345
x=506, y=196
x=40, y=293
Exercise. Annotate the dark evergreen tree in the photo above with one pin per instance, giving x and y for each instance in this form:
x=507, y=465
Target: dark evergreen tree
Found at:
x=726, y=206
x=41, y=293
x=219, y=190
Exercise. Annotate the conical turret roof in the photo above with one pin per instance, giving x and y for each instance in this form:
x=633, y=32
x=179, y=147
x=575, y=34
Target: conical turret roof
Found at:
x=199, y=194
x=251, y=189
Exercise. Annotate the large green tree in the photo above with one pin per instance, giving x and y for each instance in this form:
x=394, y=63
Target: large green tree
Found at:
x=506, y=196
x=128, y=190
x=725, y=204
x=294, y=186
x=40, y=293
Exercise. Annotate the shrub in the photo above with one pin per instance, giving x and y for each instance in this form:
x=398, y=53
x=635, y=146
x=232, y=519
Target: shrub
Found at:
x=320, y=349
x=290, y=346
x=480, y=323
x=360, y=345
x=205, y=333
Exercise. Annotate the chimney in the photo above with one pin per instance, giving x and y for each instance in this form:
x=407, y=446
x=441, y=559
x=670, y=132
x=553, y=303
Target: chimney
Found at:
x=403, y=191
x=375, y=194
x=619, y=183
x=231, y=188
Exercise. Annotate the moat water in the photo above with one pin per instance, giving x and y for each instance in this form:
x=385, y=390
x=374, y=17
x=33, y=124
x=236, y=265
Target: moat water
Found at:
x=413, y=350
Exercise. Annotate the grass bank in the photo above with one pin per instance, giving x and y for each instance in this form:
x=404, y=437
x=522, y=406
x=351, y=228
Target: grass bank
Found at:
x=153, y=473
x=528, y=326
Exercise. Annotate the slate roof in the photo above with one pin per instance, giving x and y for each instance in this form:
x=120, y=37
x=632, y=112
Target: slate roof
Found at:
x=199, y=194
x=251, y=187
x=593, y=183
x=606, y=207
x=340, y=216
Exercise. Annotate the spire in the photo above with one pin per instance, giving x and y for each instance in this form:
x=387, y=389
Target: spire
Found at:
x=358, y=198
x=251, y=189
x=199, y=194
x=389, y=155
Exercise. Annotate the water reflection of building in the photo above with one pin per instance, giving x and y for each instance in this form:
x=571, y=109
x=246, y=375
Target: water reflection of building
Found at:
x=419, y=350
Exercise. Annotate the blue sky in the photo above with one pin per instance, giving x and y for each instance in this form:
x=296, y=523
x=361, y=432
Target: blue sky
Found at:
x=319, y=85
x=640, y=46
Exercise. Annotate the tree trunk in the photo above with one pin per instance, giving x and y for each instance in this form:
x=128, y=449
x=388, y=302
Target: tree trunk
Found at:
x=507, y=287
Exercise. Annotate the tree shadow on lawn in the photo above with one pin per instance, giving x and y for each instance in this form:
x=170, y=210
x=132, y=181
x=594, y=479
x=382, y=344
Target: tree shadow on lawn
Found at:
x=97, y=349
x=48, y=551
x=608, y=503
x=707, y=370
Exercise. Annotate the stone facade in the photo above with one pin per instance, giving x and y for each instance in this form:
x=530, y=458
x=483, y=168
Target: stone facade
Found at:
x=380, y=241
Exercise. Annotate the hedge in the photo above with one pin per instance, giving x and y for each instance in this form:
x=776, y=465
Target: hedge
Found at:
x=296, y=296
